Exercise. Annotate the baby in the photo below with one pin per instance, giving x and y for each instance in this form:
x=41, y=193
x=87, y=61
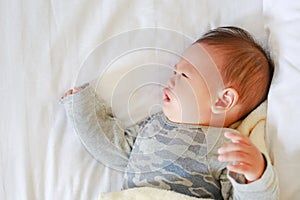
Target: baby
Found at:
x=189, y=147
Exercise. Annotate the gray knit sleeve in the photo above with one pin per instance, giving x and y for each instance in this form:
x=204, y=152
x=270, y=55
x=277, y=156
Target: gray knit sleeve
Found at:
x=99, y=131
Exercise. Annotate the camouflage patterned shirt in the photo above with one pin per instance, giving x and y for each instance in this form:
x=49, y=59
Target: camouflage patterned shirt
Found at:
x=178, y=157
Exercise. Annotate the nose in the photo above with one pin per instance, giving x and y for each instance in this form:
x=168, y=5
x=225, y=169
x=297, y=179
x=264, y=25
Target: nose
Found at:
x=171, y=82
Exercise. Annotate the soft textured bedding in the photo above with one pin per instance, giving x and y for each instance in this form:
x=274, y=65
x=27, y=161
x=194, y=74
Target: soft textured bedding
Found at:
x=128, y=48
x=145, y=193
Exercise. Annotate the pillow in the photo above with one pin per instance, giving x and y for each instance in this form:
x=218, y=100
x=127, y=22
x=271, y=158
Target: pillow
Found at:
x=283, y=25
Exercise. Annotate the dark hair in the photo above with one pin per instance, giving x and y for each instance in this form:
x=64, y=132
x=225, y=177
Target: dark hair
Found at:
x=245, y=65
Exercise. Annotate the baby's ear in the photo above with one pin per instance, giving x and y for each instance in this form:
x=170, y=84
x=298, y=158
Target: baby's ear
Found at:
x=227, y=99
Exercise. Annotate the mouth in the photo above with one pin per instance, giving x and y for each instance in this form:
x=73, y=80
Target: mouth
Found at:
x=166, y=95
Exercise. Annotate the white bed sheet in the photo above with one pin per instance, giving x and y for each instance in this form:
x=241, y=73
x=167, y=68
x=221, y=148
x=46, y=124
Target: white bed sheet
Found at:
x=45, y=48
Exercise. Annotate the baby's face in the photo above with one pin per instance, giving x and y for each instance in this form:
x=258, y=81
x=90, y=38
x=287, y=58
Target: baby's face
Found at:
x=187, y=97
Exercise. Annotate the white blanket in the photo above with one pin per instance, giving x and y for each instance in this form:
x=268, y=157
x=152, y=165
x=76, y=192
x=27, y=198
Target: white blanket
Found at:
x=145, y=193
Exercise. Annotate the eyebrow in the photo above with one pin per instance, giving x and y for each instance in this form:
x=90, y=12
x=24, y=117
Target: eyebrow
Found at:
x=187, y=69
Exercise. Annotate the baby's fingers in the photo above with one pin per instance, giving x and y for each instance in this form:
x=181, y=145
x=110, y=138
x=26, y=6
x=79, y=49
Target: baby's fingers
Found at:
x=76, y=89
x=239, y=168
x=236, y=137
x=234, y=156
x=67, y=93
x=251, y=173
x=231, y=147
x=72, y=91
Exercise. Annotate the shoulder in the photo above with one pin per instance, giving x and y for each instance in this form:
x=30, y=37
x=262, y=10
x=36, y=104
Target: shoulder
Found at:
x=215, y=139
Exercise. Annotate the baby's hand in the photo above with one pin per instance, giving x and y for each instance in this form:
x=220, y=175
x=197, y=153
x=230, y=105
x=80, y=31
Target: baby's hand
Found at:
x=72, y=91
x=249, y=160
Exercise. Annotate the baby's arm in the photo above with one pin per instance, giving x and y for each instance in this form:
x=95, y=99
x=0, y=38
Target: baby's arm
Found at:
x=260, y=175
x=98, y=130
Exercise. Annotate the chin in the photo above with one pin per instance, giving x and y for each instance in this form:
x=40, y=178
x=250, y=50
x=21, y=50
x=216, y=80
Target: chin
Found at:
x=167, y=113
x=171, y=112
x=171, y=117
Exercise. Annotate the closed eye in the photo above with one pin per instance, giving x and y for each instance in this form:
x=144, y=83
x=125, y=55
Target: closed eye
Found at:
x=184, y=75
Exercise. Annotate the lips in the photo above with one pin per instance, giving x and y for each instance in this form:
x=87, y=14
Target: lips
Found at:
x=166, y=95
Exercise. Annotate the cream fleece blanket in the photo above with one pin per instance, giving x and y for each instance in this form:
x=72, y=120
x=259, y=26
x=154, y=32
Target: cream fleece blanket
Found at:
x=253, y=126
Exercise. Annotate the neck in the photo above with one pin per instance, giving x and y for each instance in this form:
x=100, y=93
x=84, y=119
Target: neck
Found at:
x=221, y=120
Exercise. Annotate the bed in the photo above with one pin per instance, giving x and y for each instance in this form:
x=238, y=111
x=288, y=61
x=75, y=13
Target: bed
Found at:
x=127, y=49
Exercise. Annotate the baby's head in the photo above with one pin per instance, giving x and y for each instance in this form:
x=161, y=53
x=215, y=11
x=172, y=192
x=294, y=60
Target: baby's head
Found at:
x=221, y=78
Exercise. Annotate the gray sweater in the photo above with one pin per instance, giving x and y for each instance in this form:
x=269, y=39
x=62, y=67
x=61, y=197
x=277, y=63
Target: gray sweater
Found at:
x=156, y=152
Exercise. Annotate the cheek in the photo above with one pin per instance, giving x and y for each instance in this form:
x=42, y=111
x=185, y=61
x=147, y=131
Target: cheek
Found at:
x=186, y=94
x=194, y=96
